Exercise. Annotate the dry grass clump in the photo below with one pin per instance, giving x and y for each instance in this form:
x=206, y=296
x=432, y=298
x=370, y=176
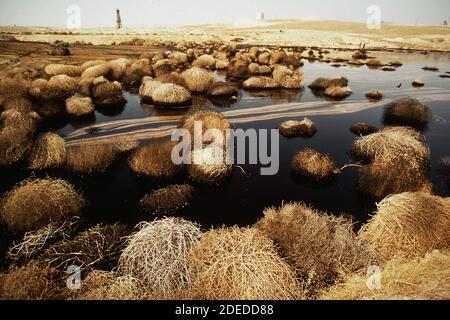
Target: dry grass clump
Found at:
x=358, y=54
x=338, y=92
x=32, y=281
x=16, y=135
x=95, y=71
x=209, y=165
x=33, y=242
x=106, y=285
x=314, y=165
x=13, y=87
x=408, y=110
x=61, y=87
x=33, y=204
x=374, y=95
x=291, y=128
x=277, y=57
x=287, y=78
x=259, y=70
x=117, y=67
x=425, y=278
x=135, y=71
x=160, y=68
x=208, y=120
x=49, y=151
x=97, y=247
x=241, y=264
x=157, y=255
x=68, y=70
x=198, y=79
x=418, y=83
x=322, y=248
x=398, y=162
x=90, y=159
x=154, y=161
x=321, y=84
x=374, y=63
x=21, y=104
x=147, y=88
x=173, y=77
x=238, y=70
x=222, y=65
x=409, y=224
x=106, y=93
x=363, y=129
x=222, y=89
x=84, y=86
x=171, y=95
x=205, y=61
x=167, y=200
x=92, y=63
x=124, y=143
x=260, y=83
x=445, y=168
x=78, y=106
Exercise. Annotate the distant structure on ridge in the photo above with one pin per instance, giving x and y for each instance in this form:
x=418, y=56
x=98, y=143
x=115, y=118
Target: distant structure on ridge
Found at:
x=260, y=16
x=118, y=20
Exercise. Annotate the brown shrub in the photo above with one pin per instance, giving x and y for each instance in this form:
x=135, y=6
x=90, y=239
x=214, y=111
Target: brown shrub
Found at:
x=147, y=88
x=154, y=161
x=321, y=84
x=277, y=57
x=205, y=61
x=374, y=63
x=208, y=165
x=322, y=248
x=418, y=83
x=90, y=159
x=222, y=89
x=238, y=70
x=60, y=87
x=338, y=92
x=292, y=128
x=107, y=93
x=13, y=87
x=424, y=278
x=408, y=111
x=171, y=95
x=98, y=246
x=374, y=95
x=363, y=129
x=98, y=70
x=208, y=120
x=49, y=151
x=241, y=264
x=32, y=204
x=78, y=106
x=68, y=70
x=32, y=281
x=260, y=83
x=314, y=165
x=117, y=68
x=409, y=224
x=287, y=78
x=198, y=79
x=92, y=63
x=167, y=200
x=157, y=255
x=173, y=77
x=84, y=86
x=21, y=104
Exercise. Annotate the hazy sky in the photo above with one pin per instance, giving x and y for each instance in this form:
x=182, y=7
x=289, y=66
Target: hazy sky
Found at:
x=101, y=13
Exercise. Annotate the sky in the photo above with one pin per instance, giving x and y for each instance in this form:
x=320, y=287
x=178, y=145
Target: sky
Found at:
x=150, y=13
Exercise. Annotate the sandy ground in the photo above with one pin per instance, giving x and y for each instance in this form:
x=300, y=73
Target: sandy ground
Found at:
x=273, y=32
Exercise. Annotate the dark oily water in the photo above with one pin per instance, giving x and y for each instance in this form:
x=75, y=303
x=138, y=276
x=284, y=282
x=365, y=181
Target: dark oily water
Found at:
x=243, y=197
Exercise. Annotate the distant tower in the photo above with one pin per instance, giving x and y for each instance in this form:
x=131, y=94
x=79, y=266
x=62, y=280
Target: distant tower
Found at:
x=118, y=20
x=260, y=16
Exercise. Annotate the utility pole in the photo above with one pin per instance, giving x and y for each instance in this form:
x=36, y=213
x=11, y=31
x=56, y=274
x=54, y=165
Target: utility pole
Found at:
x=118, y=20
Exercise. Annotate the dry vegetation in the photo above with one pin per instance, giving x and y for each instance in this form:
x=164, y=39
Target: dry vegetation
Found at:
x=208, y=120
x=49, y=151
x=34, y=203
x=409, y=111
x=292, y=128
x=314, y=165
x=209, y=165
x=90, y=159
x=241, y=264
x=168, y=199
x=322, y=248
x=425, y=278
x=158, y=253
x=409, y=224
x=363, y=129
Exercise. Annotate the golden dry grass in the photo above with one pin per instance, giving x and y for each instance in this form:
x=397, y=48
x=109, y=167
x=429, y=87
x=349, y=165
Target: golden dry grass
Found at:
x=409, y=224
x=154, y=161
x=168, y=199
x=399, y=162
x=260, y=83
x=205, y=61
x=222, y=89
x=292, y=128
x=61, y=87
x=409, y=111
x=208, y=166
x=208, y=120
x=49, y=151
x=337, y=92
x=198, y=79
x=171, y=95
x=363, y=129
x=173, y=77
x=106, y=93
x=98, y=246
x=32, y=281
x=288, y=78
x=90, y=159
x=241, y=264
x=322, y=248
x=374, y=95
x=425, y=278
x=79, y=106
x=147, y=88
x=68, y=70
x=97, y=70
x=20, y=104
x=314, y=165
x=157, y=255
x=33, y=204
x=323, y=83
x=238, y=70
